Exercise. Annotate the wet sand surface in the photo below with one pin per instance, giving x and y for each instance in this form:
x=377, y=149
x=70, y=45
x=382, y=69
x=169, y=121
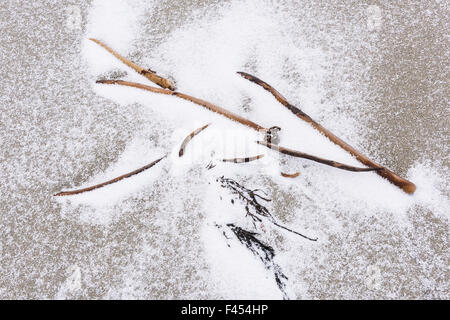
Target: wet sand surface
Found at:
x=46, y=97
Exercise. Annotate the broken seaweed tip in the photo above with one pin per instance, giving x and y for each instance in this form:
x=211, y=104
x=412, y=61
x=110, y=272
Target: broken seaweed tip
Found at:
x=261, y=250
x=189, y=138
x=103, y=184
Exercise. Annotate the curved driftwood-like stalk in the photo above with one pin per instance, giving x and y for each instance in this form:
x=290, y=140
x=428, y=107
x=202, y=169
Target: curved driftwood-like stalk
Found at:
x=290, y=175
x=101, y=185
x=189, y=138
x=149, y=74
x=303, y=155
x=203, y=103
x=400, y=182
x=243, y=160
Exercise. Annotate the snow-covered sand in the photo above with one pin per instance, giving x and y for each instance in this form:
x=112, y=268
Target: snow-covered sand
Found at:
x=155, y=235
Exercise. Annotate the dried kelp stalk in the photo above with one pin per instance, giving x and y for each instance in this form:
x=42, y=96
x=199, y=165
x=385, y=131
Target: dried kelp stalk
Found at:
x=290, y=175
x=200, y=102
x=255, y=210
x=264, y=252
x=149, y=74
x=400, y=182
x=303, y=155
x=243, y=160
x=101, y=185
x=189, y=138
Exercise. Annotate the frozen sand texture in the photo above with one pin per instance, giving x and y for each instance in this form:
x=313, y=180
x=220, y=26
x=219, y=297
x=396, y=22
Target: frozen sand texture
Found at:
x=374, y=75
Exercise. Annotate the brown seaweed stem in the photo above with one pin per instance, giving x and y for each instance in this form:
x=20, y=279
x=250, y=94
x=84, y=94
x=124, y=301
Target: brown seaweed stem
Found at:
x=103, y=184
